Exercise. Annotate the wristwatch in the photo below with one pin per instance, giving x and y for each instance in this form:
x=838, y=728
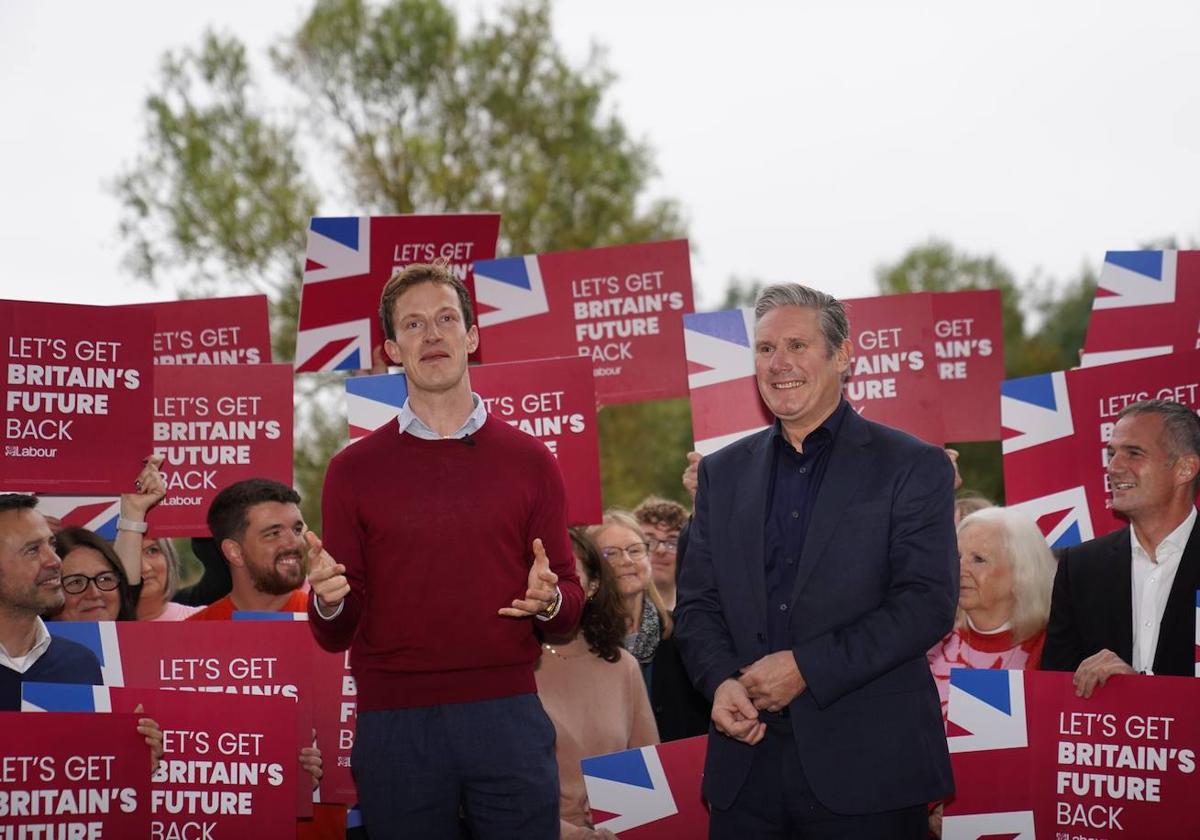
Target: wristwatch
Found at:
x=551, y=609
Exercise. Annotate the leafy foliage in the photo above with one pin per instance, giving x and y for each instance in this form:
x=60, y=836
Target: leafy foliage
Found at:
x=411, y=114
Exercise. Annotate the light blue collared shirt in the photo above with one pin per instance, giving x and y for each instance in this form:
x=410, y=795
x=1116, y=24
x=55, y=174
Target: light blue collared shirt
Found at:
x=412, y=424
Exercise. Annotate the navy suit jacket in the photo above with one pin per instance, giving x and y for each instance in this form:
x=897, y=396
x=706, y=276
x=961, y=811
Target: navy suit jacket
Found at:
x=1092, y=607
x=877, y=586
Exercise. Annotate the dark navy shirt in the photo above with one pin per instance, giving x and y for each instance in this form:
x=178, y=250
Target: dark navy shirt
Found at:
x=795, y=481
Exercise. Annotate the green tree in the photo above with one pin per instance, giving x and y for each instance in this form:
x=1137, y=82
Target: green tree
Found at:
x=411, y=114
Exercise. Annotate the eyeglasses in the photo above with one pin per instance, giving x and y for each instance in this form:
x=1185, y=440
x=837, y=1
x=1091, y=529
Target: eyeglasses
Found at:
x=105, y=582
x=669, y=545
x=635, y=552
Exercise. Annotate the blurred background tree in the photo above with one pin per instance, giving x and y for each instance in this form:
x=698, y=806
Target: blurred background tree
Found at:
x=404, y=113
x=394, y=108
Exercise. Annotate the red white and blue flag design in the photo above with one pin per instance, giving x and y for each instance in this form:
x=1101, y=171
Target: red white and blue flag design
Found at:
x=96, y=513
x=509, y=289
x=1147, y=304
x=348, y=261
x=649, y=792
x=726, y=404
x=1057, y=426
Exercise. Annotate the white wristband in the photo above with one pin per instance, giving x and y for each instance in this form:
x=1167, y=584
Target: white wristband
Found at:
x=124, y=524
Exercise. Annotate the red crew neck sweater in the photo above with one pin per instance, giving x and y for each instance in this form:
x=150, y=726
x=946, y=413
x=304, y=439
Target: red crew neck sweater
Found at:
x=436, y=536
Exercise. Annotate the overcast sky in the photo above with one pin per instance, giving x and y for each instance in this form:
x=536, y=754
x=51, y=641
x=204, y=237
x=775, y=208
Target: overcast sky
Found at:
x=805, y=141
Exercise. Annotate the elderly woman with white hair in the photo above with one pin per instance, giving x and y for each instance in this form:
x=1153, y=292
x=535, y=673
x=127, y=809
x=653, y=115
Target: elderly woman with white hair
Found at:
x=1006, y=576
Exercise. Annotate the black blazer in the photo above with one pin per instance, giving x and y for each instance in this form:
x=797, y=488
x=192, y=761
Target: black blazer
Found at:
x=877, y=587
x=1092, y=607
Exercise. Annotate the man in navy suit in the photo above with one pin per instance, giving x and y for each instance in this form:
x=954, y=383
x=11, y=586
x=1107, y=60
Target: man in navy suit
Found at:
x=1126, y=602
x=821, y=566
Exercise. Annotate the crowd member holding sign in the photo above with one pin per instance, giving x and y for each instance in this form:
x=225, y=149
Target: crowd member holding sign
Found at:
x=152, y=565
x=821, y=567
x=1125, y=603
x=31, y=583
x=592, y=690
x=1007, y=572
x=450, y=532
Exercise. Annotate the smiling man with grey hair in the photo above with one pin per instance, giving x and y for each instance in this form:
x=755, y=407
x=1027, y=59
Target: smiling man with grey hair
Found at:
x=1125, y=603
x=821, y=566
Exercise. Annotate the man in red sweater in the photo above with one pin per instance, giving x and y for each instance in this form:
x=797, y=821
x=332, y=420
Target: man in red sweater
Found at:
x=449, y=529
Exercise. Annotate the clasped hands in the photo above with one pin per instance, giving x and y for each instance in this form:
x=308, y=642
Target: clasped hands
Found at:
x=771, y=683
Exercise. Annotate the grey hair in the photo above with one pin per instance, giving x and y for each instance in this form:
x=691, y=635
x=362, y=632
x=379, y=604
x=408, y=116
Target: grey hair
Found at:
x=835, y=326
x=1181, y=429
x=1032, y=564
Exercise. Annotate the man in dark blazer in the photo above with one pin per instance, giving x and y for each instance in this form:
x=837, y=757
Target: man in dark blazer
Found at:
x=821, y=566
x=1126, y=602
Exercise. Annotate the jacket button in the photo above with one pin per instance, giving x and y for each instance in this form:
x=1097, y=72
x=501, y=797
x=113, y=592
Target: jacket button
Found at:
x=762, y=637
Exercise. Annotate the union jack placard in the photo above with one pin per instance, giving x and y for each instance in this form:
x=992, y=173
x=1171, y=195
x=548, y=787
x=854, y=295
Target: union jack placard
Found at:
x=1057, y=426
x=649, y=792
x=350, y=258
x=1147, y=304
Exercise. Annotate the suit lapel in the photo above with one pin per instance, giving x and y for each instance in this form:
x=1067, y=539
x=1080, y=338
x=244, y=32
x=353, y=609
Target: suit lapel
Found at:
x=1177, y=633
x=849, y=464
x=750, y=513
x=1120, y=561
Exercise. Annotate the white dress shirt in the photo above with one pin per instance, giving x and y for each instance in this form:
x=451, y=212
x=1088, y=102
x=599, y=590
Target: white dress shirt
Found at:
x=41, y=641
x=1152, y=581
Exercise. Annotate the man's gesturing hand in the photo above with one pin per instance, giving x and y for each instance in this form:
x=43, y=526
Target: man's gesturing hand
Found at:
x=773, y=681
x=542, y=591
x=1095, y=671
x=327, y=578
x=734, y=715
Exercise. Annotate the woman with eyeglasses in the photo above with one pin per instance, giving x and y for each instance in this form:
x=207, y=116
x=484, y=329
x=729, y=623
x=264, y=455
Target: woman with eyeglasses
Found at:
x=647, y=620
x=94, y=585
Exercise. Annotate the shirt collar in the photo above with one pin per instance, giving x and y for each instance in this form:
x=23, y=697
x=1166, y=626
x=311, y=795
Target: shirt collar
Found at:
x=1175, y=541
x=411, y=424
x=41, y=641
x=828, y=428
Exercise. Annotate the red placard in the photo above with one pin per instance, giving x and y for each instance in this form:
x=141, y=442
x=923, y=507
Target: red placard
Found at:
x=1032, y=759
x=62, y=775
x=893, y=373
x=968, y=347
x=270, y=659
x=621, y=308
x=1057, y=426
x=349, y=259
x=335, y=712
x=552, y=399
x=211, y=331
x=229, y=765
x=1147, y=304
x=215, y=425
x=76, y=396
